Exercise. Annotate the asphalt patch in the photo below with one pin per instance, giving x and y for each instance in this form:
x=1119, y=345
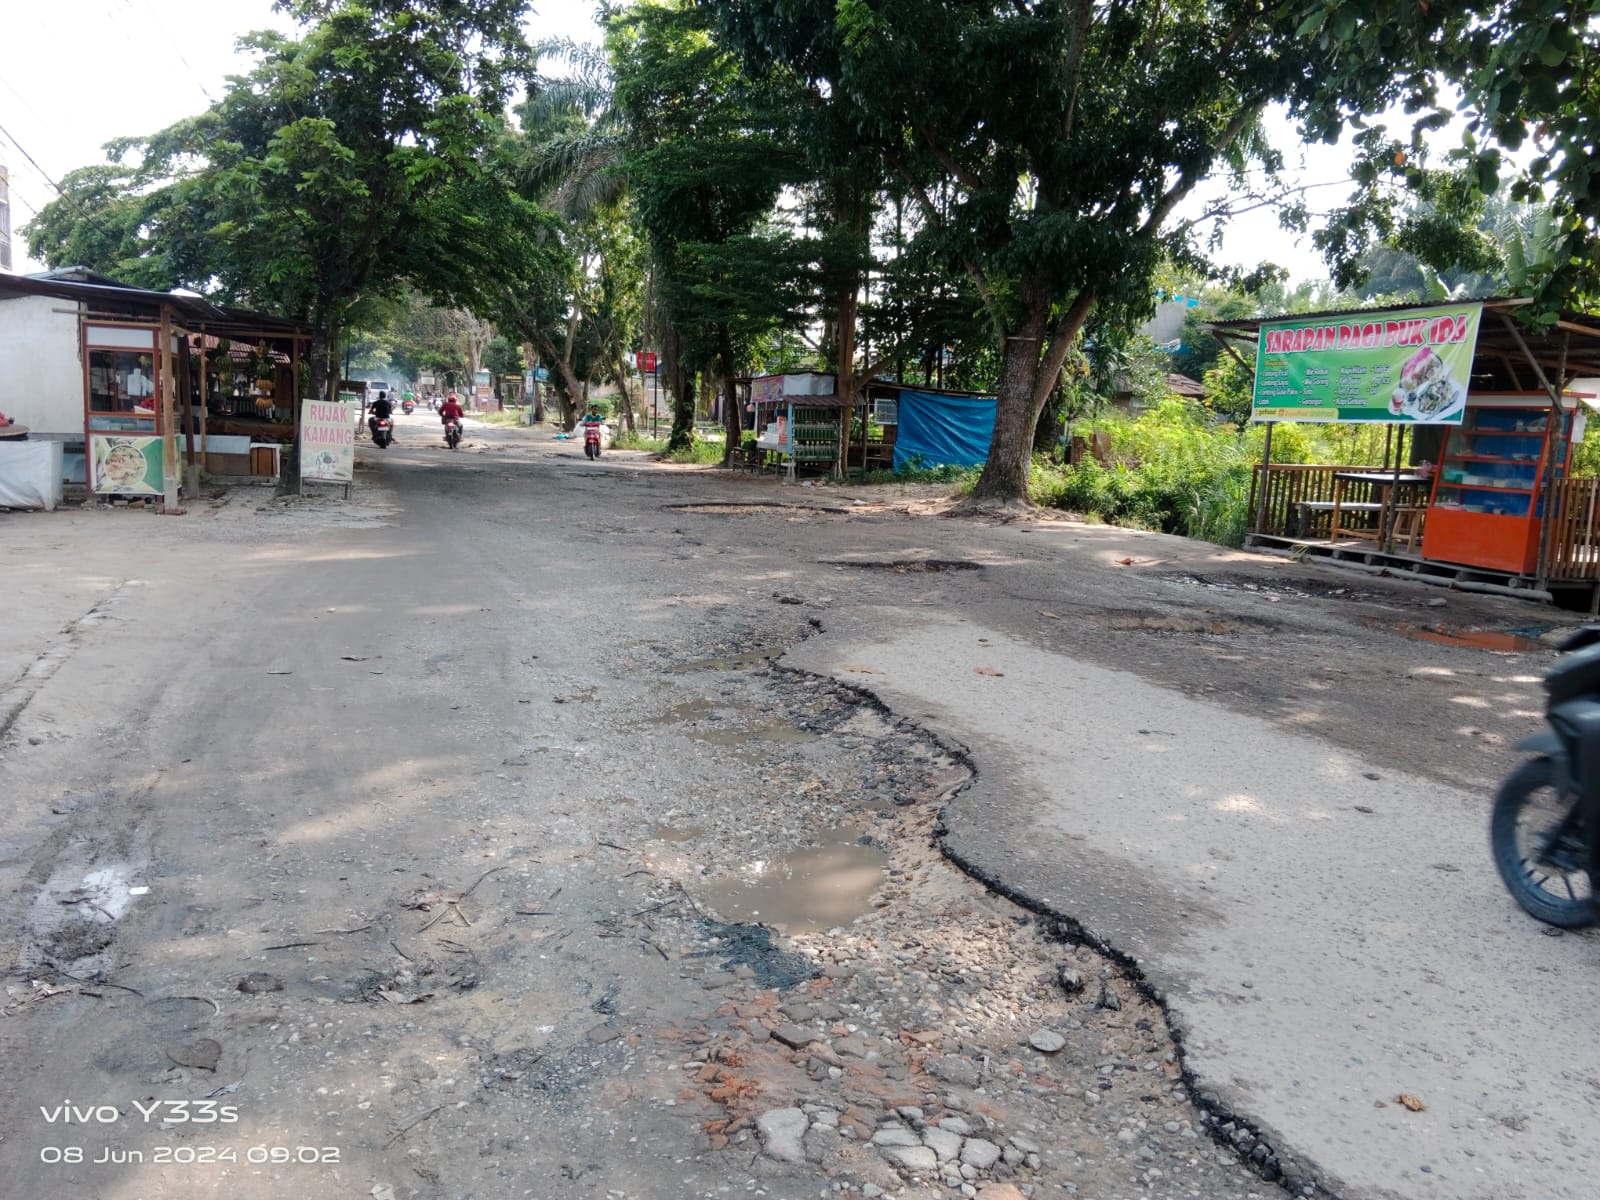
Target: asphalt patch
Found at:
x=747, y=945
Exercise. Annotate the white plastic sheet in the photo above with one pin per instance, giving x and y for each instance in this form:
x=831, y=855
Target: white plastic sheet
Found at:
x=30, y=474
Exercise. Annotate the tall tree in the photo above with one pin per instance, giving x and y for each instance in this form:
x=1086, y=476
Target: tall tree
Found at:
x=1525, y=85
x=704, y=171
x=1069, y=131
x=355, y=159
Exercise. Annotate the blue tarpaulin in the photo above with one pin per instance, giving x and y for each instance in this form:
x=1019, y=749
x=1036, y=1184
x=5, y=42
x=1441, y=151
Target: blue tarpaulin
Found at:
x=937, y=431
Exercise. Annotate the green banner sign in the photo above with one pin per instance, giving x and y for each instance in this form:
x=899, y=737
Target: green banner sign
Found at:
x=1412, y=366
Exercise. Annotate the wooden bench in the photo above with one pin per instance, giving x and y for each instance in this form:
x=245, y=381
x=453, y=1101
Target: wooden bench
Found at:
x=1308, y=510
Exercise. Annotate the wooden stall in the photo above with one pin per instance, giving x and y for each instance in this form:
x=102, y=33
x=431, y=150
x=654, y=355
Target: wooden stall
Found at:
x=1475, y=485
x=173, y=384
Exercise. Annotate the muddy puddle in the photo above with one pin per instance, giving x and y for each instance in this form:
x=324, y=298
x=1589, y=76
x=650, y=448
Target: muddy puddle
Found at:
x=745, y=660
x=1504, y=641
x=806, y=890
x=675, y=834
x=700, y=717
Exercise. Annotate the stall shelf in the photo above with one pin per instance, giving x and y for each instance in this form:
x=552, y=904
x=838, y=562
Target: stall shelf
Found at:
x=1488, y=493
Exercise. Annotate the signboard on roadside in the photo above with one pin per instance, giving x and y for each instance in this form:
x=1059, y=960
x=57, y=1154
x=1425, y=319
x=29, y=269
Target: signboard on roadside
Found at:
x=125, y=466
x=327, y=441
x=1411, y=366
x=542, y=374
x=645, y=360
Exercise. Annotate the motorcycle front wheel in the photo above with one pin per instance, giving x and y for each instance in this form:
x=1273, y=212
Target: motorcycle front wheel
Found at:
x=1541, y=848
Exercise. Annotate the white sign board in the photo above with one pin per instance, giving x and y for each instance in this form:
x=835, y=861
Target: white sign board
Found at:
x=327, y=441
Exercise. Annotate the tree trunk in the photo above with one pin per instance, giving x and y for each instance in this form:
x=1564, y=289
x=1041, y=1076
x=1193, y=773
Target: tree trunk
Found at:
x=570, y=394
x=1052, y=424
x=730, y=396
x=680, y=383
x=324, y=385
x=530, y=359
x=626, y=396
x=845, y=374
x=1005, y=472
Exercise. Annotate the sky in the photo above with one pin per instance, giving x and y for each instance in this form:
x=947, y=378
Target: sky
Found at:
x=75, y=74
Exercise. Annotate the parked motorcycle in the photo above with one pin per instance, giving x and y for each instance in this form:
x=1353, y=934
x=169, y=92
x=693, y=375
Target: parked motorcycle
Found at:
x=382, y=432
x=591, y=441
x=1546, y=817
x=452, y=433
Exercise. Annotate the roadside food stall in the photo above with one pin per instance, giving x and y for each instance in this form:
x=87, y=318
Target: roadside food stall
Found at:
x=169, y=383
x=1481, y=418
x=908, y=428
x=799, y=422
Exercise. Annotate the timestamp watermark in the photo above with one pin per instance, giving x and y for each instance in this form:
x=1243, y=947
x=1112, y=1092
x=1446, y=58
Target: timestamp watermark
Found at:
x=71, y=1118
x=259, y=1155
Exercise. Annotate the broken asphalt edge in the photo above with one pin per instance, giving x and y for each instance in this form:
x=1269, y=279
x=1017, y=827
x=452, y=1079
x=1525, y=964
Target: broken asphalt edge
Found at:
x=1223, y=1124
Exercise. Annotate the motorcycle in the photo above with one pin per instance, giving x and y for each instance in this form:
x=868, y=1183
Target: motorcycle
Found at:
x=408, y=407
x=591, y=441
x=452, y=433
x=382, y=432
x=1546, y=816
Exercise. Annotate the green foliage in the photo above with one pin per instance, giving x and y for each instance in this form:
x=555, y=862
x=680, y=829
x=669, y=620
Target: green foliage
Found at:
x=353, y=160
x=1178, y=470
x=503, y=357
x=1531, y=102
x=704, y=172
x=706, y=450
x=1046, y=146
x=1586, y=454
x=631, y=439
x=1230, y=389
x=963, y=478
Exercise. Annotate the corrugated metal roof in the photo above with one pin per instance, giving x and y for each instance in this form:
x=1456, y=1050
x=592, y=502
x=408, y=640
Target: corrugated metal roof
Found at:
x=191, y=311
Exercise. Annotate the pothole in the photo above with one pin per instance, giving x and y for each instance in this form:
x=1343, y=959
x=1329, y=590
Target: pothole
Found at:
x=1298, y=587
x=905, y=566
x=1172, y=623
x=757, y=508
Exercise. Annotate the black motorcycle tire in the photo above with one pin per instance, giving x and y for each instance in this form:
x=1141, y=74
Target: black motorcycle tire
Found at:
x=1572, y=912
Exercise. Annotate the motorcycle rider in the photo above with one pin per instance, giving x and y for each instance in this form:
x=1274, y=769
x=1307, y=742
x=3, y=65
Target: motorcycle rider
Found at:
x=593, y=425
x=381, y=409
x=450, y=410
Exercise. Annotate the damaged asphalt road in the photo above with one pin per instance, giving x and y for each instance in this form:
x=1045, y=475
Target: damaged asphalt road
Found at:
x=541, y=828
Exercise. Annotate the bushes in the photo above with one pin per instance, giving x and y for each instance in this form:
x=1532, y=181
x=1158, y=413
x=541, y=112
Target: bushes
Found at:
x=706, y=450
x=632, y=439
x=1177, y=472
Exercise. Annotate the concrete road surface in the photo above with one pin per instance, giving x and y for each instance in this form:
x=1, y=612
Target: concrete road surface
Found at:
x=1328, y=933
x=436, y=828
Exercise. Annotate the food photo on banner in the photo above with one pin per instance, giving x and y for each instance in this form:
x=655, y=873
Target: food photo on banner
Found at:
x=126, y=466
x=1410, y=367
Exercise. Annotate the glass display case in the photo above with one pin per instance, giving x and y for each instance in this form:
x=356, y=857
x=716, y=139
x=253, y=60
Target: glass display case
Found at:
x=1488, y=490
x=122, y=409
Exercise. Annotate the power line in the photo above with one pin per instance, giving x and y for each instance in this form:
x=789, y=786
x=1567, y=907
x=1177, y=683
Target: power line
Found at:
x=177, y=47
x=23, y=150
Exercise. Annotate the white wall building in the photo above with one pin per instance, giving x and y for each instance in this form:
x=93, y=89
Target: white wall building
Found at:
x=41, y=373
